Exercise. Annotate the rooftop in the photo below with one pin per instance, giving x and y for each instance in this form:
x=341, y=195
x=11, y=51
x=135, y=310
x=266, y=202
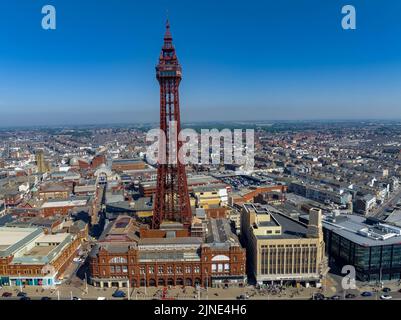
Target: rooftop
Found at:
x=290, y=228
x=10, y=236
x=362, y=231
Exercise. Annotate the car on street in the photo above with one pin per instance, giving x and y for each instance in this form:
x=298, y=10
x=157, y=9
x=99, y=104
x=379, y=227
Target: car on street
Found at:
x=350, y=296
x=7, y=294
x=386, y=290
x=25, y=298
x=76, y=298
x=335, y=297
x=366, y=294
x=119, y=294
x=101, y=298
x=21, y=294
x=318, y=296
x=45, y=298
x=386, y=297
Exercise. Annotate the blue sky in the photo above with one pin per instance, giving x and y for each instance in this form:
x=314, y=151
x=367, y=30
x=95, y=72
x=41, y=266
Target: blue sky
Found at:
x=242, y=60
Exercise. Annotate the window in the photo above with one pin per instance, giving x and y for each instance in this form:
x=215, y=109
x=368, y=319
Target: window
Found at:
x=160, y=269
x=214, y=267
x=112, y=269
x=118, y=269
x=178, y=269
x=187, y=269
x=125, y=269
x=226, y=267
x=196, y=269
x=220, y=267
x=142, y=270
x=118, y=260
x=151, y=270
x=170, y=270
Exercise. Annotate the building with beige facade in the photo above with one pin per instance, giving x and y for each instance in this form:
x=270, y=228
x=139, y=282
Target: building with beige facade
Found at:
x=281, y=249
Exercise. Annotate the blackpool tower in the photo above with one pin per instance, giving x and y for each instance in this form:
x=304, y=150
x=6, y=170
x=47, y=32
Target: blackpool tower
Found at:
x=171, y=202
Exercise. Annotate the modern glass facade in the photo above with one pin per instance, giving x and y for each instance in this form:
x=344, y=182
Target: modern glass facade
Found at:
x=372, y=263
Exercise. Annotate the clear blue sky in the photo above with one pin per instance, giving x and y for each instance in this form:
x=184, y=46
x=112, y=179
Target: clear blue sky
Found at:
x=242, y=60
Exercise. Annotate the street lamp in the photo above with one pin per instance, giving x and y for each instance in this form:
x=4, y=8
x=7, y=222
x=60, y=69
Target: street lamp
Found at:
x=86, y=284
x=144, y=276
x=129, y=297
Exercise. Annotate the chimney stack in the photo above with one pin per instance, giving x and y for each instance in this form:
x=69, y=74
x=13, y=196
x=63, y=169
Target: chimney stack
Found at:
x=315, y=223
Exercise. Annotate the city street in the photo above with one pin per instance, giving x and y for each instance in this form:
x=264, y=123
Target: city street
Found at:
x=77, y=290
x=380, y=211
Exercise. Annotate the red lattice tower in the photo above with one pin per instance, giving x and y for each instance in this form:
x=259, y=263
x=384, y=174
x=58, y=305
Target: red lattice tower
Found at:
x=171, y=198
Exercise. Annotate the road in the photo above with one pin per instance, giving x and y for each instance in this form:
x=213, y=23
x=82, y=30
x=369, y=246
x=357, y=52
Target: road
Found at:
x=77, y=288
x=380, y=211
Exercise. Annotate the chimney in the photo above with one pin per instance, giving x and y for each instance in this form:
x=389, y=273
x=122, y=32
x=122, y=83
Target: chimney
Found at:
x=315, y=223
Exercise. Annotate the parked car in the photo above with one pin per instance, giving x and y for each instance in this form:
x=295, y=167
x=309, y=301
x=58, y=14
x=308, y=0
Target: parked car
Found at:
x=119, y=294
x=45, y=298
x=366, y=294
x=25, y=298
x=21, y=294
x=386, y=297
x=101, y=298
x=6, y=294
x=350, y=296
x=318, y=296
x=386, y=290
x=335, y=297
x=76, y=298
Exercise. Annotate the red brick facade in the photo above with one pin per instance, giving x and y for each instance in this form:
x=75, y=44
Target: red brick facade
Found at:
x=125, y=266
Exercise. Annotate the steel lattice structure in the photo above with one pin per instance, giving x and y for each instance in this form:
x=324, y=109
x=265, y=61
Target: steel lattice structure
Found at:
x=171, y=198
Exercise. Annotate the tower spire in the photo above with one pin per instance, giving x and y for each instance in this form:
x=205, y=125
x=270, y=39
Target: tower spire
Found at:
x=167, y=35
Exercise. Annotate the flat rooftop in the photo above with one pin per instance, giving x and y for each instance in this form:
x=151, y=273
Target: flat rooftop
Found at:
x=290, y=228
x=39, y=251
x=10, y=236
x=348, y=226
x=65, y=203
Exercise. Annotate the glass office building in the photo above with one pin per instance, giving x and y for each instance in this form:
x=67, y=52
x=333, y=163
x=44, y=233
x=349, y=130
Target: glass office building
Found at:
x=371, y=246
x=372, y=263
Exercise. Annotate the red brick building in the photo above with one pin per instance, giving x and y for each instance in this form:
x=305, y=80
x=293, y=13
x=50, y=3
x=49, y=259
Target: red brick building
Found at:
x=98, y=160
x=122, y=165
x=121, y=256
x=13, y=198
